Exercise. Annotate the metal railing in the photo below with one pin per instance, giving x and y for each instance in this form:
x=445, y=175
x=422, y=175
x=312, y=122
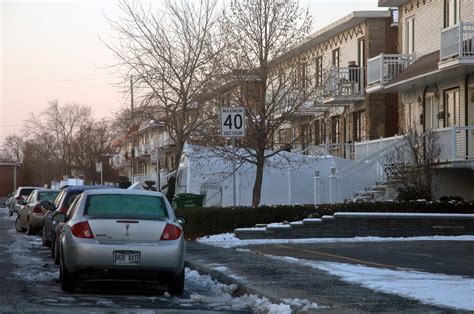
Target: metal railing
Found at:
x=457, y=41
x=385, y=67
x=344, y=82
x=456, y=143
x=365, y=149
x=343, y=185
x=342, y=150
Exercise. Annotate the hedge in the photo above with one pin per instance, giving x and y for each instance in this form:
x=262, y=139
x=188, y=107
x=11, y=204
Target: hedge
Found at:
x=214, y=220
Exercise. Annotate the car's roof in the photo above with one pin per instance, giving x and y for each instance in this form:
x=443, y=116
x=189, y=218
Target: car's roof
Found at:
x=47, y=190
x=86, y=187
x=122, y=192
x=30, y=187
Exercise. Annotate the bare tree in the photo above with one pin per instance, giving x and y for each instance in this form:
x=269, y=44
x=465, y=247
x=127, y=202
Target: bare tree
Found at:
x=410, y=164
x=171, y=56
x=55, y=128
x=92, y=145
x=13, y=147
x=271, y=84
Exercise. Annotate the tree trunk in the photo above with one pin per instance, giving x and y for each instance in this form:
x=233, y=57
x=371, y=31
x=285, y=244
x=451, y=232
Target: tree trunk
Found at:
x=257, y=187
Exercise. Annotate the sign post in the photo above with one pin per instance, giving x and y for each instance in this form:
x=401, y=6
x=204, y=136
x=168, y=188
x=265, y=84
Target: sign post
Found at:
x=233, y=126
x=98, y=168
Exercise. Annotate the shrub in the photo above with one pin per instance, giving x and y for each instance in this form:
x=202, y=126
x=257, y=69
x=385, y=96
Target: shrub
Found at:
x=215, y=220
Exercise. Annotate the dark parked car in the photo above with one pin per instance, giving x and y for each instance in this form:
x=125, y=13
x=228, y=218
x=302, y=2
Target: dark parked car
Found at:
x=61, y=204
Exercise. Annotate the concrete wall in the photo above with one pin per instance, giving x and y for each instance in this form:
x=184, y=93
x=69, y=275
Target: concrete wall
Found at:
x=454, y=182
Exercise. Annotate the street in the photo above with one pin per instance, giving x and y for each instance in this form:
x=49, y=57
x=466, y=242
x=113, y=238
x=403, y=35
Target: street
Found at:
x=29, y=282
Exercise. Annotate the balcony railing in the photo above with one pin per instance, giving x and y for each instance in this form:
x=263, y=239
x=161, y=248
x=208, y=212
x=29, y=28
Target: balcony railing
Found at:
x=456, y=143
x=119, y=160
x=457, y=42
x=385, y=67
x=344, y=85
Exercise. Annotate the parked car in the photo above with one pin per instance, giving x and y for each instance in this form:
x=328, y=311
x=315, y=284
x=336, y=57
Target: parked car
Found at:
x=61, y=204
x=7, y=200
x=122, y=234
x=18, y=198
x=31, y=214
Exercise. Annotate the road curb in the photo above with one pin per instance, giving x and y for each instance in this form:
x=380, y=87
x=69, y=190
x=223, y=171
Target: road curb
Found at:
x=243, y=287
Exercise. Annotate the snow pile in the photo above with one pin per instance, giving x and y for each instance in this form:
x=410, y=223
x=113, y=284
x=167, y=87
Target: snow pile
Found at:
x=220, y=297
x=24, y=253
x=437, y=289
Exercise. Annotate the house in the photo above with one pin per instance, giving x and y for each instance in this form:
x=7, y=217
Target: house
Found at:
x=334, y=59
x=137, y=152
x=433, y=74
x=9, y=178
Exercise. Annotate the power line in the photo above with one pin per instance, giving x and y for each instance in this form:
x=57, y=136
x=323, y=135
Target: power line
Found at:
x=59, y=81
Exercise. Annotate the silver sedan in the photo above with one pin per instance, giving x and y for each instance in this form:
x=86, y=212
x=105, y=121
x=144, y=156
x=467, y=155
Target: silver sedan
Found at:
x=122, y=234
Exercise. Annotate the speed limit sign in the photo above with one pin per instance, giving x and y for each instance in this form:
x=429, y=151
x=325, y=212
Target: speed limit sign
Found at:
x=233, y=122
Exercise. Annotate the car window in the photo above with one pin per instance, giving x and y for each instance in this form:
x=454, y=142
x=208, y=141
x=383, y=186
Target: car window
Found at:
x=69, y=198
x=30, y=197
x=126, y=206
x=73, y=207
x=26, y=192
x=58, y=198
x=47, y=195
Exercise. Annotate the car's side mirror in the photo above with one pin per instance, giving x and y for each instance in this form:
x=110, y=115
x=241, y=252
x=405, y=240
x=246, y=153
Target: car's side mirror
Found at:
x=48, y=205
x=181, y=220
x=59, y=217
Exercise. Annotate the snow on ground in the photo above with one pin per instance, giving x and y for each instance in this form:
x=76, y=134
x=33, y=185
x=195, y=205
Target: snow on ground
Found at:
x=23, y=252
x=437, y=289
x=221, y=297
x=229, y=240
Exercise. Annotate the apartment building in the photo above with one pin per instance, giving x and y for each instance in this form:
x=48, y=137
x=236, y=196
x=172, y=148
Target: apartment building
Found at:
x=146, y=149
x=335, y=59
x=433, y=74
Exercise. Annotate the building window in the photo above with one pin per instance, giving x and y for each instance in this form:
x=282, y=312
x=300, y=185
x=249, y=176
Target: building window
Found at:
x=452, y=108
x=451, y=12
x=359, y=126
x=319, y=71
x=302, y=75
x=410, y=35
x=432, y=112
x=336, y=57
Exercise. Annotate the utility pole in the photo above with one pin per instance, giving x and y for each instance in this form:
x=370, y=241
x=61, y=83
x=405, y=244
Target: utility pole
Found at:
x=132, y=153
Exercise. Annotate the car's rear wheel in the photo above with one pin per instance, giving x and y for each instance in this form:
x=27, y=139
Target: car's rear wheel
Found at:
x=43, y=238
x=176, y=284
x=18, y=226
x=29, y=228
x=67, y=278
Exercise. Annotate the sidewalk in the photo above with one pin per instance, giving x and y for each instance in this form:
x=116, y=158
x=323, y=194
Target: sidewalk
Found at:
x=278, y=280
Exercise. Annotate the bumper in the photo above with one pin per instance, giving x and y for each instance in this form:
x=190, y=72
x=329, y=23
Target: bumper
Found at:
x=87, y=255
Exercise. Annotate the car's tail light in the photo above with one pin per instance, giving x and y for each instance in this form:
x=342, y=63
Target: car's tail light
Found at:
x=37, y=209
x=171, y=232
x=82, y=230
x=63, y=210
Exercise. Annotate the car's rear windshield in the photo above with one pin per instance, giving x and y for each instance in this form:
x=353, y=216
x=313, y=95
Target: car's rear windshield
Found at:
x=26, y=192
x=48, y=196
x=125, y=206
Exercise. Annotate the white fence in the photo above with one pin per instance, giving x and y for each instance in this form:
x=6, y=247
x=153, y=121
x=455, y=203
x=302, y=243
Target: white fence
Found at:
x=342, y=150
x=457, y=41
x=385, y=67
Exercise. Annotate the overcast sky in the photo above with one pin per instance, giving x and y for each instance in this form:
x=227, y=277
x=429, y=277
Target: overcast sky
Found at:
x=50, y=50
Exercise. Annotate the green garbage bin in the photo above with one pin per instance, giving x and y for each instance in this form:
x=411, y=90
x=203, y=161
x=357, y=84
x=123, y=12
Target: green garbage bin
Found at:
x=187, y=200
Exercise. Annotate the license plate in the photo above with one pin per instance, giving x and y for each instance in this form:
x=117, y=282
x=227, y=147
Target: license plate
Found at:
x=126, y=257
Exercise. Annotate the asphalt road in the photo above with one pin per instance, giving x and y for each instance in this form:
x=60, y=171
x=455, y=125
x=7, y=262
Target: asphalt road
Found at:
x=29, y=283
x=443, y=257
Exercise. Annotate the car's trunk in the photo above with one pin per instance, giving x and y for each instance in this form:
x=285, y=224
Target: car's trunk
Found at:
x=127, y=231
